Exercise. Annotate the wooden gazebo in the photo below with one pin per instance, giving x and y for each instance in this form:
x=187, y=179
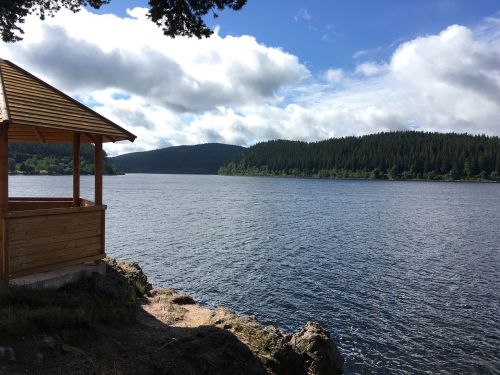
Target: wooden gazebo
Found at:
x=46, y=234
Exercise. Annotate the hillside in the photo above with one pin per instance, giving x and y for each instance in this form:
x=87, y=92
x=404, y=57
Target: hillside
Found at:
x=198, y=159
x=38, y=158
x=393, y=155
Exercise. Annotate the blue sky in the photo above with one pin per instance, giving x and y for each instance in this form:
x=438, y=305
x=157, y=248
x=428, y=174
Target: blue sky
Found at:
x=302, y=70
x=325, y=33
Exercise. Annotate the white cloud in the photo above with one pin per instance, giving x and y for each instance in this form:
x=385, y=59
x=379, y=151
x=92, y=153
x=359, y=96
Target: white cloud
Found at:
x=302, y=14
x=364, y=53
x=237, y=90
x=444, y=82
x=164, y=78
x=334, y=75
x=370, y=68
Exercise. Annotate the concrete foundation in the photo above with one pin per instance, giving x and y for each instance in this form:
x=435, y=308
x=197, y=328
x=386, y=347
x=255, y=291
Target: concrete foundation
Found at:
x=61, y=277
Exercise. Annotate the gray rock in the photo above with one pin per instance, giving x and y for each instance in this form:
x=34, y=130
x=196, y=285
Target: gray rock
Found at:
x=52, y=343
x=7, y=354
x=320, y=353
x=73, y=350
x=132, y=272
x=183, y=299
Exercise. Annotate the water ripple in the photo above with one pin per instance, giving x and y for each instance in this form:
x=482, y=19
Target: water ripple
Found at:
x=406, y=275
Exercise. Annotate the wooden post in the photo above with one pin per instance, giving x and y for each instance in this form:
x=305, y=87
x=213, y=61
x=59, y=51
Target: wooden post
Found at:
x=98, y=161
x=4, y=197
x=4, y=169
x=76, y=169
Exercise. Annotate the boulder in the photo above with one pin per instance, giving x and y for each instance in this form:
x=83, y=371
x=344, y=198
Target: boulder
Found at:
x=318, y=350
x=132, y=272
x=308, y=352
x=7, y=354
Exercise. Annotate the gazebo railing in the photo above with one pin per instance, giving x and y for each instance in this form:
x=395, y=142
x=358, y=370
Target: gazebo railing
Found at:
x=45, y=234
x=38, y=203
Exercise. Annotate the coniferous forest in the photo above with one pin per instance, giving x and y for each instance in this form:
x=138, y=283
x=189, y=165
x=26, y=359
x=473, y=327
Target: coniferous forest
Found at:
x=405, y=155
x=53, y=159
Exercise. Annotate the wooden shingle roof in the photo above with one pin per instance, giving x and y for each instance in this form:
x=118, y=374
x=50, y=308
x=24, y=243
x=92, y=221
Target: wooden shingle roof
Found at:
x=38, y=112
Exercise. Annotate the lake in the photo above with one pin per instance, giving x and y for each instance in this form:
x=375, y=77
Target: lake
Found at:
x=405, y=275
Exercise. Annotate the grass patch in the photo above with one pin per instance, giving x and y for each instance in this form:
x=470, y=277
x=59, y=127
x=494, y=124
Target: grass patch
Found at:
x=78, y=309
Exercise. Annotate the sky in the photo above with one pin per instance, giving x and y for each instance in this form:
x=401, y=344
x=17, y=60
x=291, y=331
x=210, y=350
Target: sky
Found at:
x=301, y=70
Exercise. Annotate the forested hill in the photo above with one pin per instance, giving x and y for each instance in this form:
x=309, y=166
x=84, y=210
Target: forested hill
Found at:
x=393, y=155
x=37, y=158
x=199, y=159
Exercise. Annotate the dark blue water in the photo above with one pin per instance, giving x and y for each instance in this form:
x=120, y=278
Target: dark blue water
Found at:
x=406, y=275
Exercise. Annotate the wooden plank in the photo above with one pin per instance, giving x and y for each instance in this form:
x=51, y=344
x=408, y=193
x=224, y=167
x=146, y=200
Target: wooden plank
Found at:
x=98, y=168
x=38, y=134
x=47, y=108
x=51, y=133
x=6, y=256
x=76, y=169
x=63, y=135
x=74, y=125
x=35, y=205
x=56, y=260
x=51, y=114
x=103, y=232
x=41, y=199
x=60, y=139
x=54, y=238
x=34, y=224
x=107, y=138
x=92, y=137
x=29, y=100
x=20, y=232
x=64, y=128
x=36, y=252
x=20, y=237
x=35, y=230
x=34, y=117
x=24, y=206
x=53, y=221
x=71, y=249
x=33, y=92
x=55, y=266
x=52, y=211
x=15, y=80
x=56, y=256
x=86, y=128
x=4, y=196
x=4, y=169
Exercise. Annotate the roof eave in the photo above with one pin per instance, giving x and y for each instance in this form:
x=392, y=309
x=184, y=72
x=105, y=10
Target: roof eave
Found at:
x=4, y=112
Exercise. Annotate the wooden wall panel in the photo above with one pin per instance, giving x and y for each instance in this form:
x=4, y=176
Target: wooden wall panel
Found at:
x=48, y=242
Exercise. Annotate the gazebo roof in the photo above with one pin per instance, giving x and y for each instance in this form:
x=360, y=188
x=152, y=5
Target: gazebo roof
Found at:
x=38, y=112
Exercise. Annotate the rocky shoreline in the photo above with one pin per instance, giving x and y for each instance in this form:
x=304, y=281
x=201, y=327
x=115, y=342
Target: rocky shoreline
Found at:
x=170, y=334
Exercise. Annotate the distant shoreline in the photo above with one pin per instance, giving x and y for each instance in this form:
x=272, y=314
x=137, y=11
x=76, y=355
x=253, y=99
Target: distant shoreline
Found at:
x=360, y=178
x=273, y=176
x=62, y=174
